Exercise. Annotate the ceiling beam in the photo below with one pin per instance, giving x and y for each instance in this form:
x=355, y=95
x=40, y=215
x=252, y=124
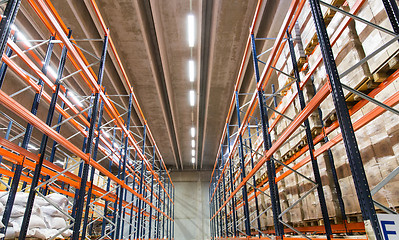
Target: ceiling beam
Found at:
x=151, y=42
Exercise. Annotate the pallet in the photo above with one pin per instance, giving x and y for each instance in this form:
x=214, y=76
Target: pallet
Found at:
x=328, y=16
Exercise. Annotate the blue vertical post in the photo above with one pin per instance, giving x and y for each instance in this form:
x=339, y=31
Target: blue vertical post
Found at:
x=133, y=199
x=152, y=194
x=9, y=126
x=66, y=166
x=126, y=145
x=332, y=168
x=345, y=123
x=108, y=186
x=43, y=145
x=57, y=129
x=219, y=201
x=243, y=174
x=142, y=235
x=224, y=193
x=92, y=172
x=274, y=96
x=274, y=196
x=82, y=188
x=117, y=192
x=25, y=142
x=233, y=199
x=4, y=66
x=393, y=13
x=173, y=214
x=170, y=210
x=158, y=213
x=167, y=208
x=254, y=181
x=141, y=188
x=163, y=209
x=309, y=139
x=9, y=14
x=54, y=147
x=126, y=193
x=80, y=171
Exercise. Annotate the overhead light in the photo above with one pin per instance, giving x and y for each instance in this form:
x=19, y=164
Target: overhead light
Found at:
x=191, y=30
x=193, y=152
x=75, y=99
x=51, y=71
x=192, y=132
x=21, y=36
x=193, y=159
x=193, y=143
x=192, y=98
x=106, y=134
x=191, y=70
x=30, y=146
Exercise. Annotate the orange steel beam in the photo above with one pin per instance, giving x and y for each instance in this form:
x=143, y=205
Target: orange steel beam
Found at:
x=273, y=55
x=18, y=109
x=336, y=228
x=126, y=79
x=36, y=87
x=64, y=192
x=334, y=38
x=19, y=52
x=83, y=76
x=393, y=100
x=50, y=170
x=61, y=34
x=301, y=117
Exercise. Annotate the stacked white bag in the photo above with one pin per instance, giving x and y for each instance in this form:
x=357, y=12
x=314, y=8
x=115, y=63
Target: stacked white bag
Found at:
x=45, y=220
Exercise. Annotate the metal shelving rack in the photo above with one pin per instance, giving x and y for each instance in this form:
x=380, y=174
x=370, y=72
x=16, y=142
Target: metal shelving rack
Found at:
x=135, y=197
x=249, y=145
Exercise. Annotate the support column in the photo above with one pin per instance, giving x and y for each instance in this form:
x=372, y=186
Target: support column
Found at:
x=28, y=132
x=345, y=123
x=242, y=159
x=142, y=173
x=271, y=169
x=43, y=145
x=309, y=139
x=233, y=199
x=8, y=18
x=82, y=188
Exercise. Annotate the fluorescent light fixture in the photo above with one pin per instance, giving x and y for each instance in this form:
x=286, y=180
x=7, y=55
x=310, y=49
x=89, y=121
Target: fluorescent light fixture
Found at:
x=52, y=71
x=75, y=99
x=21, y=36
x=106, y=134
x=192, y=98
x=192, y=132
x=191, y=70
x=193, y=159
x=191, y=30
x=193, y=152
x=193, y=143
x=30, y=146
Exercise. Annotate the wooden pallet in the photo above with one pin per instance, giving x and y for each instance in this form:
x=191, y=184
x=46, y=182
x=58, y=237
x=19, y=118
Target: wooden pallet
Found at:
x=328, y=16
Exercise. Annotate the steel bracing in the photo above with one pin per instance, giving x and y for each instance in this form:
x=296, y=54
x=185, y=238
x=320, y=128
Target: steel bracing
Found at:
x=107, y=165
x=248, y=182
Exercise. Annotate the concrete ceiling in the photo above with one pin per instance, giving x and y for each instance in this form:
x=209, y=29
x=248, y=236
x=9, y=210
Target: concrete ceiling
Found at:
x=151, y=39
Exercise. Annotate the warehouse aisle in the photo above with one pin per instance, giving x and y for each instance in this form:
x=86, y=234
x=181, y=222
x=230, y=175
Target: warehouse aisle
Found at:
x=191, y=205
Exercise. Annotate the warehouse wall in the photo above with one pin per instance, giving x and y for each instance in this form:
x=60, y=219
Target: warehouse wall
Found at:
x=191, y=205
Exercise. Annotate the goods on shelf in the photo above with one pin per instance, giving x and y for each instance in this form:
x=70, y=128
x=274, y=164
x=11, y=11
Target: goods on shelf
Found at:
x=46, y=219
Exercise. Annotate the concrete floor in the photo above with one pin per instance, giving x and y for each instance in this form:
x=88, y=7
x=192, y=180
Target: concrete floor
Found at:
x=191, y=205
